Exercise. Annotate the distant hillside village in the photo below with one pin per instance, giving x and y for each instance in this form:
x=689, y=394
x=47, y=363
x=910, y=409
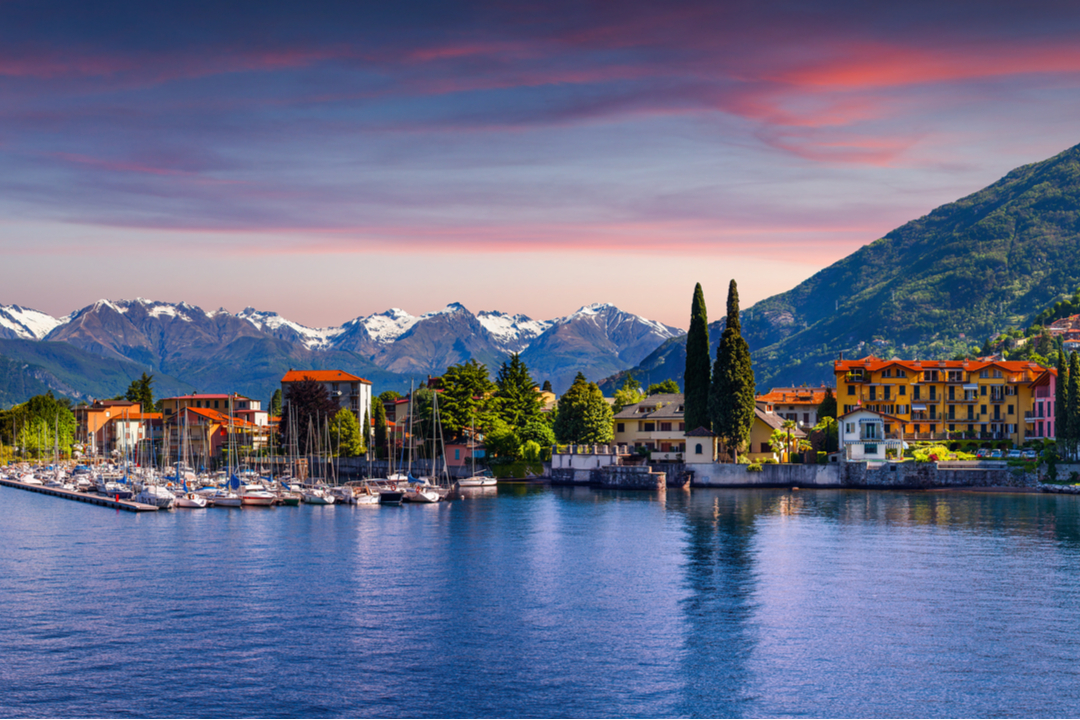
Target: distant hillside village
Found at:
x=877, y=410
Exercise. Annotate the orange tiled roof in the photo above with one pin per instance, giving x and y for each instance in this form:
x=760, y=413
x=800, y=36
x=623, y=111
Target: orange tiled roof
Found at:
x=321, y=376
x=873, y=364
x=221, y=419
x=793, y=396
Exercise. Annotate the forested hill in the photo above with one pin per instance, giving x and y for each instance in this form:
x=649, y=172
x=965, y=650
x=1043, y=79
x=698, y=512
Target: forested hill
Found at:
x=931, y=288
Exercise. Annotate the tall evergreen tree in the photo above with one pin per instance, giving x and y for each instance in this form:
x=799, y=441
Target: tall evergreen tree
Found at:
x=516, y=399
x=275, y=403
x=1072, y=406
x=827, y=408
x=583, y=415
x=1061, y=403
x=731, y=400
x=142, y=391
x=381, y=427
x=547, y=386
x=308, y=404
x=696, y=377
x=466, y=394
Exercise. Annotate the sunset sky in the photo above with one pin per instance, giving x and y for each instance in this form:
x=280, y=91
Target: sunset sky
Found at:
x=328, y=160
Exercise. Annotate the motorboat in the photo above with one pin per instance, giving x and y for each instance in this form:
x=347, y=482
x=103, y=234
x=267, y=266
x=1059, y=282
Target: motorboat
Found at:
x=191, y=500
x=364, y=494
x=224, y=498
x=258, y=495
x=315, y=495
x=422, y=493
x=29, y=479
x=343, y=495
x=156, y=495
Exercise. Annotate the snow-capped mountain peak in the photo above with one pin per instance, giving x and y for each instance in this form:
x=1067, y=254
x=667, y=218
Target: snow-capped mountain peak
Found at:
x=25, y=323
x=513, y=332
x=385, y=327
x=273, y=324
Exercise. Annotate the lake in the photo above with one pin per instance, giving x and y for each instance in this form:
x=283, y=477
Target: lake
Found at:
x=534, y=601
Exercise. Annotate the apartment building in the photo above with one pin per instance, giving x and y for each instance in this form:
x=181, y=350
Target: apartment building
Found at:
x=942, y=399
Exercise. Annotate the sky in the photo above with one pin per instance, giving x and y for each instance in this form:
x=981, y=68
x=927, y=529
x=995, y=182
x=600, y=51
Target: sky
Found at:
x=330, y=160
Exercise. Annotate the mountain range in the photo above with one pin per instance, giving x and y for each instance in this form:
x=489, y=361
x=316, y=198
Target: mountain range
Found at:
x=213, y=351
x=933, y=288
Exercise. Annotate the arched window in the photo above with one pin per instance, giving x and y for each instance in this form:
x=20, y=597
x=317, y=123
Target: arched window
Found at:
x=697, y=448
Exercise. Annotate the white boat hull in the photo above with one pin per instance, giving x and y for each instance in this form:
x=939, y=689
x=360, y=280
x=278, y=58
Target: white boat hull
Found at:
x=191, y=500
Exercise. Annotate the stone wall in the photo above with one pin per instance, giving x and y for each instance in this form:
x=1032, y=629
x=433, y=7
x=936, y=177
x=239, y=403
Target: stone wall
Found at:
x=639, y=477
x=771, y=475
x=928, y=475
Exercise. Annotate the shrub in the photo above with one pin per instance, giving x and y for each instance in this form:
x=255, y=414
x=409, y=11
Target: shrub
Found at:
x=822, y=458
x=753, y=467
x=771, y=461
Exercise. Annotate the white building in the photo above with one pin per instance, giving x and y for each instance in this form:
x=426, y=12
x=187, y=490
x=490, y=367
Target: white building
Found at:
x=348, y=391
x=862, y=436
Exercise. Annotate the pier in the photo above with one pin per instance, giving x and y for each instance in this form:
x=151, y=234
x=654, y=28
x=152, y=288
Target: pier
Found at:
x=91, y=498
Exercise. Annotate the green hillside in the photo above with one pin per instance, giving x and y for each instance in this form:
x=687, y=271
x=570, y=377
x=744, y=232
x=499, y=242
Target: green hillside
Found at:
x=29, y=368
x=930, y=289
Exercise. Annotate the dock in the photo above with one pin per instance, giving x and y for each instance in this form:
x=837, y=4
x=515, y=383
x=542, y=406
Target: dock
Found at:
x=91, y=498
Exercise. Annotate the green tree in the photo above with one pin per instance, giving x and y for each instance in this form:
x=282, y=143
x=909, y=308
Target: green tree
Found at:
x=629, y=394
x=466, y=396
x=516, y=400
x=539, y=431
x=696, y=377
x=387, y=395
x=825, y=436
x=142, y=391
x=381, y=427
x=41, y=424
x=275, y=403
x=1061, y=403
x=501, y=440
x=731, y=400
x=345, y=435
x=667, y=387
x=547, y=386
x=827, y=408
x=365, y=430
x=584, y=417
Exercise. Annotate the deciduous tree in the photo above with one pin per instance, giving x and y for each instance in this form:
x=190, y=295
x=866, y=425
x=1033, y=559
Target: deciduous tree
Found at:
x=308, y=405
x=629, y=394
x=667, y=387
x=345, y=434
x=584, y=417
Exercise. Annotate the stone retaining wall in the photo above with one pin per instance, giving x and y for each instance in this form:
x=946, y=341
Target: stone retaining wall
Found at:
x=771, y=475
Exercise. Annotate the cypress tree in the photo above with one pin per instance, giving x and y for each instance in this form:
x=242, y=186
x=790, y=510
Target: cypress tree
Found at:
x=697, y=375
x=1072, y=406
x=731, y=398
x=1061, y=425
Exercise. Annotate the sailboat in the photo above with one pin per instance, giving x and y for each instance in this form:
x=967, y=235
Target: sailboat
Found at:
x=424, y=491
x=484, y=478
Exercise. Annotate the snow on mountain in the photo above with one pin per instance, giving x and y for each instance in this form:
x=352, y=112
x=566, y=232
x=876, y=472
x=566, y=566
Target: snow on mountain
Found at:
x=385, y=327
x=25, y=323
x=273, y=324
x=513, y=332
x=613, y=317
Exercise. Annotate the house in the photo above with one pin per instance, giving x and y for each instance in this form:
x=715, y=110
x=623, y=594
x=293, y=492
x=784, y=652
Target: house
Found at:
x=798, y=404
x=348, y=391
x=1060, y=327
x=700, y=446
x=1040, y=419
x=766, y=422
x=981, y=399
x=461, y=449
x=864, y=435
x=199, y=434
x=656, y=423
x=115, y=427
x=235, y=404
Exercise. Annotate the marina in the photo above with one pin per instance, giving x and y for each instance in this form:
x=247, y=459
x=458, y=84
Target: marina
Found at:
x=91, y=498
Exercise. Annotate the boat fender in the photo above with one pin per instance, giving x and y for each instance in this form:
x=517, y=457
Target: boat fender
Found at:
x=393, y=486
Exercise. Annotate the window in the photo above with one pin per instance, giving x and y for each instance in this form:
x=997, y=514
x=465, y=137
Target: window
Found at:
x=765, y=448
x=697, y=448
x=982, y=409
x=888, y=428
x=217, y=404
x=620, y=427
x=903, y=389
x=952, y=428
x=901, y=373
x=1010, y=410
x=650, y=427
x=982, y=390
x=457, y=453
x=849, y=428
x=665, y=427
x=916, y=428
x=916, y=395
x=806, y=418
x=850, y=389
x=682, y=426
x=887, y=391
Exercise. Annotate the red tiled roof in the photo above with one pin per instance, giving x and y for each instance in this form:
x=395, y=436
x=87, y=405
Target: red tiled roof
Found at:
x=321, y=376
x=221, y=419
x=873, y=364
x=794, y=396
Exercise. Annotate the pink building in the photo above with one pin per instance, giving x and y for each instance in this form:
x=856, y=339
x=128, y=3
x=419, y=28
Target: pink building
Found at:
x=1040, y=419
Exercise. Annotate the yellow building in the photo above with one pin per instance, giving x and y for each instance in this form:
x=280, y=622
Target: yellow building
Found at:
x=942, y=399
x=766, y=422
x=655, y=423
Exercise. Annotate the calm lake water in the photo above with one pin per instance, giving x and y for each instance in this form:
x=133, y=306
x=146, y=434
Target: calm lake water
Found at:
x=547, y=602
